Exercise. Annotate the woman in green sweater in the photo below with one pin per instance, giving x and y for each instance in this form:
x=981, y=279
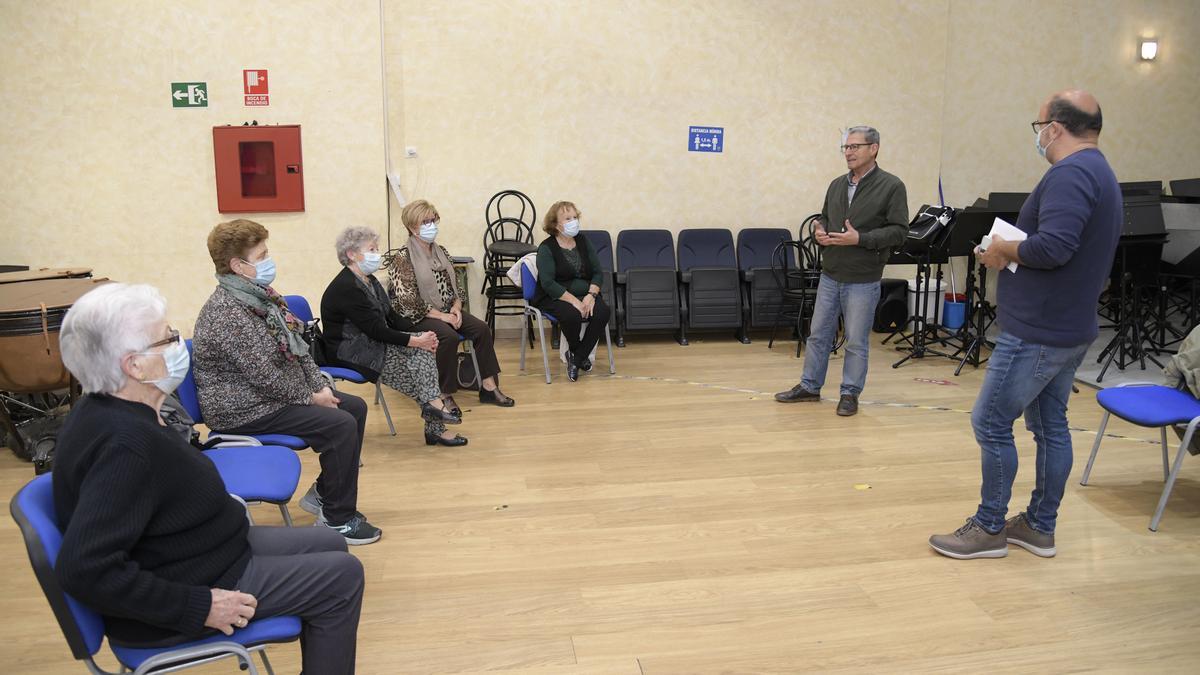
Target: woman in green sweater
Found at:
x=569, y=277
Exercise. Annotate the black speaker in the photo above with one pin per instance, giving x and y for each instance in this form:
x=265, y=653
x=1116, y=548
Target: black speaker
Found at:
x=892, y=311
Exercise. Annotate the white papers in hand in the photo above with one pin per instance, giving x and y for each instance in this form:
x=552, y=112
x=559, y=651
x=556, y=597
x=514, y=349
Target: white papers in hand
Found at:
x=1007, y=232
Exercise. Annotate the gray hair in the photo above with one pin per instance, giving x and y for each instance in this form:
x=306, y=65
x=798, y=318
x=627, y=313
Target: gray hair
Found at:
x=352, y=239
x=870, y=134
x=102, y=327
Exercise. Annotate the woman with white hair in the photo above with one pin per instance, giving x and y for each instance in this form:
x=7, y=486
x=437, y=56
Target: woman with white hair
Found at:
x=151, y=540
x=362, y=332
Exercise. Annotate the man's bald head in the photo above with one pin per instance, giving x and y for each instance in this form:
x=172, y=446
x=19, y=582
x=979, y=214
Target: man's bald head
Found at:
x=1077, y=111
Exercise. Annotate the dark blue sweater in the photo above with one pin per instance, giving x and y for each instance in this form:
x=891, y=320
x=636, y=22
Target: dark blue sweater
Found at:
x=1073, y=218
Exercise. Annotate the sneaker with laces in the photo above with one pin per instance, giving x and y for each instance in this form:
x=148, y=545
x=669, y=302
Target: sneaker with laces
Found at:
x=1018, y=531
x=970, y=541
x=357, y=531
x=311, y=501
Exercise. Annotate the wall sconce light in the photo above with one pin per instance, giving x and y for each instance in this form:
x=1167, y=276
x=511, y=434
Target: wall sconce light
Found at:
x=1148, y=49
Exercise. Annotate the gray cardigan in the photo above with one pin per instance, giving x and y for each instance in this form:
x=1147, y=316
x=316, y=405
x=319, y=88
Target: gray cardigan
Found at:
x=242, y=373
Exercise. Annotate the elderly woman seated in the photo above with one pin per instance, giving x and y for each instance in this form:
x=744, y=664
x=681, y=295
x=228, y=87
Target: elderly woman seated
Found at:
x=425, y=291
x=254, y=376
x=569, y=276
x=362, y=332
x=151, y=540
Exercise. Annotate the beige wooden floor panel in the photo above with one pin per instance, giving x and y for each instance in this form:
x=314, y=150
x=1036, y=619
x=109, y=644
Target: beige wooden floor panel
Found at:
x=675, y=519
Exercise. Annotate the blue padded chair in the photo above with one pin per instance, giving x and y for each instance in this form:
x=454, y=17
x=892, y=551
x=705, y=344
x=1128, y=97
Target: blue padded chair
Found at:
x=712, y=295
x=33, y=510
x=1149, y=405
x=299, y=306
x=761, y=296
x=258, y=473
x=601, y=242
x=191, y=402
x=528, y=288
x=255, y=468
x=647, y=283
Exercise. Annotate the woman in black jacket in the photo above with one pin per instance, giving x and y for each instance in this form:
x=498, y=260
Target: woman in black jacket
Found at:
x=569, y=285
x=363, y=332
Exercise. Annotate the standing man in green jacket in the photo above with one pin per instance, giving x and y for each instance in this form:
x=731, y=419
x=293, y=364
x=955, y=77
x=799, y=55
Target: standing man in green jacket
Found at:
x=864, y=218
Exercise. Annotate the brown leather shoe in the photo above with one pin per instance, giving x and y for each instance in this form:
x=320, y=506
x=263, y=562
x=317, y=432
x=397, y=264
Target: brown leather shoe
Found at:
x=847, y=405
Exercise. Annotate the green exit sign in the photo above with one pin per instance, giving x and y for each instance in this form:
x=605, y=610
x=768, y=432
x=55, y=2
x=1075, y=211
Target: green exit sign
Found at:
x=189, y=94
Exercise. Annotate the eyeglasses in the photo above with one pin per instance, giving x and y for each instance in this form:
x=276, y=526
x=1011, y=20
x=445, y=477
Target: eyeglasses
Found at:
x=431, y=222
x=855, y=146
x=1035, y=125
x=170, y=339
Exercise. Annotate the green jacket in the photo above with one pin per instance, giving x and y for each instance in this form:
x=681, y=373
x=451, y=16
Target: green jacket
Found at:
x=879, y=213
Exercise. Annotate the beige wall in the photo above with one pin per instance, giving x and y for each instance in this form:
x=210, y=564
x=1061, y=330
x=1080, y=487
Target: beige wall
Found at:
x=588, y=101
x=1009, y=56
x=99, y=170
x=591, y=102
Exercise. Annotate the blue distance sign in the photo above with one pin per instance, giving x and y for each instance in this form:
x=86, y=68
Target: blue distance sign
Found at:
x=706, y=139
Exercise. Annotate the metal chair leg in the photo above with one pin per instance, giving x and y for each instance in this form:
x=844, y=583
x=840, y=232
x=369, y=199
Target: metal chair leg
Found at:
x=612, y=368
x=266, y=662
x=475, y=362
x=526, y=330
x=383, y=403
x=287, y=515
x=1166, y=462
x=542, y=342
x=1162, y=501
x=1095, y=448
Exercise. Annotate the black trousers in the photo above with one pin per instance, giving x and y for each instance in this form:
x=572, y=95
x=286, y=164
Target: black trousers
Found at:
x=447, y=352
x=569, y=320
x=336, y=435
x=307, y=572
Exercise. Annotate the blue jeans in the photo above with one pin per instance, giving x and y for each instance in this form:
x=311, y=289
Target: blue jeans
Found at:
x=855, y=303
x=1033, y=379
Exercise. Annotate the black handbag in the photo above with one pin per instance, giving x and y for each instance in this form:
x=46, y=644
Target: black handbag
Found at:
x=316, y=341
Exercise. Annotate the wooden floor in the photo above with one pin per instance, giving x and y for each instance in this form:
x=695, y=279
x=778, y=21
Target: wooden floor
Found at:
x=675, y=519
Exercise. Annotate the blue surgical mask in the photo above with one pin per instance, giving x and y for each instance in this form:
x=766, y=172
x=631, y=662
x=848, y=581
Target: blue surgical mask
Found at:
x=177, y=360
x=428, y=231
x=370, y=262
x=1037, y=142
x=264, y=271
x=571, y=227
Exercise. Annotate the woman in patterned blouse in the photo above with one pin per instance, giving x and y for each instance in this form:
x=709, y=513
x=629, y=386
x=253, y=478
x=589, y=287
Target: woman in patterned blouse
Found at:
x=425, y=291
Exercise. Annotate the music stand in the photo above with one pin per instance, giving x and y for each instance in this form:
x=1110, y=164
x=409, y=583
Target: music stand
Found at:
x=972, y=225
x=1135, y=270
x=924, y=255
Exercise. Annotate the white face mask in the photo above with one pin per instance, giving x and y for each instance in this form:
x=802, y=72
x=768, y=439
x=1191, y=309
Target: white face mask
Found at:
x=1037, y=142
x=370, y=262
x=177, y=360
x=571, y=227
x=429, y=231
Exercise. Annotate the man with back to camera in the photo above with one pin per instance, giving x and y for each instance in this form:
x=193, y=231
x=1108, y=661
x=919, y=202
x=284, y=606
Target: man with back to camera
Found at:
x=1047, y=314
x=864, y=217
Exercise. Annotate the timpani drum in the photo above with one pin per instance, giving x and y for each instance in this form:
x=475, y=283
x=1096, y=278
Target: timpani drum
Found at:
x=31, y=313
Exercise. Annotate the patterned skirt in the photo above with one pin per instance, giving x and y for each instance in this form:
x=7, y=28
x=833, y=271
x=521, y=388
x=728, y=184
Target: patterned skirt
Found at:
x=413, y=372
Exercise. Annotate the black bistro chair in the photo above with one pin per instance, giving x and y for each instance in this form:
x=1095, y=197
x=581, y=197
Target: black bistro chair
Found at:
x=510, y=216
